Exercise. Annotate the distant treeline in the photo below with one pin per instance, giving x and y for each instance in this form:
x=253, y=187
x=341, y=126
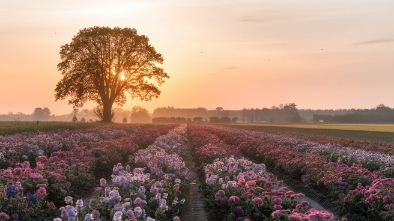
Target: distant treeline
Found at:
x=380, y=114
x=194, y=120
x=308, y=114
x=287, y=113
x=282, y=113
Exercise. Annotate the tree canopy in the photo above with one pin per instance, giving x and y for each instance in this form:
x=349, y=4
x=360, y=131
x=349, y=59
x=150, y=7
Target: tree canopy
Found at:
x=140, y=115
x=41, y=113
x=101, y=64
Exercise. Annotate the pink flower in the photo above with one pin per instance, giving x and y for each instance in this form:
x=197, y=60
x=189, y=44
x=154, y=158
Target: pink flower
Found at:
x=233, y=199
x=4, y=216
x=130, y=214
x=295, y=217
x=138, y=211
x=68, y=200
x=258, y=201
x=277, y=200
x=41, y=192
x=277, y=207
x=268, y=185
x=103, y=182
x=250, y=183
x=219, y=195
x=40, y=165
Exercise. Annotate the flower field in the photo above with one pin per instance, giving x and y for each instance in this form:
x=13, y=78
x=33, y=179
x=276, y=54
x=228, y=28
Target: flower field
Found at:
x=370, y=138
x=359, y=181
x=138, y=172
x=40, y=169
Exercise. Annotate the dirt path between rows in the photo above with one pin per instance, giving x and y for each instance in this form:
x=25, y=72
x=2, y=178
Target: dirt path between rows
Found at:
x=193, y=209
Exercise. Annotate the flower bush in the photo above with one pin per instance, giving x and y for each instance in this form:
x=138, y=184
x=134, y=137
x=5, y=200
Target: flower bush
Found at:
x=376, y=199
x=19, y=204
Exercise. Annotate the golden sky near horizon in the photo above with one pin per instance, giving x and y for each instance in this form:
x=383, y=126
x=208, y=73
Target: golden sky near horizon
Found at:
x=319, y=54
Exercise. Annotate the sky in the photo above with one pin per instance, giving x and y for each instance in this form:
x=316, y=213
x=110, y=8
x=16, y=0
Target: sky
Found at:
x=318, y=54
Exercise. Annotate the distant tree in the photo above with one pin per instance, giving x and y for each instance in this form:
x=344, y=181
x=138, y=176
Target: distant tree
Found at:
x=75, y=119
x=218, y=109
x=124, y=120
x=225, y=120
x=101, y=64
x=234, y=119
x=214, y=120
x=291, y=113
x=290, y=106
x=83, y=120
x=382, y=109
x=180, y=119
x=139, y=115
x=41, y=113
x=38, y=112
x=46, y=112
x=197, y=119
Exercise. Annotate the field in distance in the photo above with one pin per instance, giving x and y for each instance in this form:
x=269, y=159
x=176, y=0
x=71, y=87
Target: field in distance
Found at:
x=357, y=127
x=378, y=132
x=12, y=127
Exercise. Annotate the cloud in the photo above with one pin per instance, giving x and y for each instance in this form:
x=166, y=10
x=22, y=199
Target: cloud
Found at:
x=260, y=19
x=232, y=67
x=250, y=20
x=377, y=41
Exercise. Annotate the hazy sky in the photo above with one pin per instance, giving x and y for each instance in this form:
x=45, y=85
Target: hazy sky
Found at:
x=228, y=53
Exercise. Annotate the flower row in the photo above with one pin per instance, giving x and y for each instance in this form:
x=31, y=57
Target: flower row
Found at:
x=363, y=144
x=238, y=189
x=70, y=172
x=149, y=188
x=27, y=146
x=318, y=169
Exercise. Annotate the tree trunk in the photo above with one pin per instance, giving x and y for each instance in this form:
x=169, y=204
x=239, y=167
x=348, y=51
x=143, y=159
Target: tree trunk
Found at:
x=107, y=112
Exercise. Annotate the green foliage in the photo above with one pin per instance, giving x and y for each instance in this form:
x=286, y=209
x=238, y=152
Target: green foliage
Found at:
x=389, y=173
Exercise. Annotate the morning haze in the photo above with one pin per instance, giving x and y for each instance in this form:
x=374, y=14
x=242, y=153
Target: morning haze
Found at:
x=325, y=54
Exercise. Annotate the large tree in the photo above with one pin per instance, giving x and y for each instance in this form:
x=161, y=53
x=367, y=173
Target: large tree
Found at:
x=101, y=64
